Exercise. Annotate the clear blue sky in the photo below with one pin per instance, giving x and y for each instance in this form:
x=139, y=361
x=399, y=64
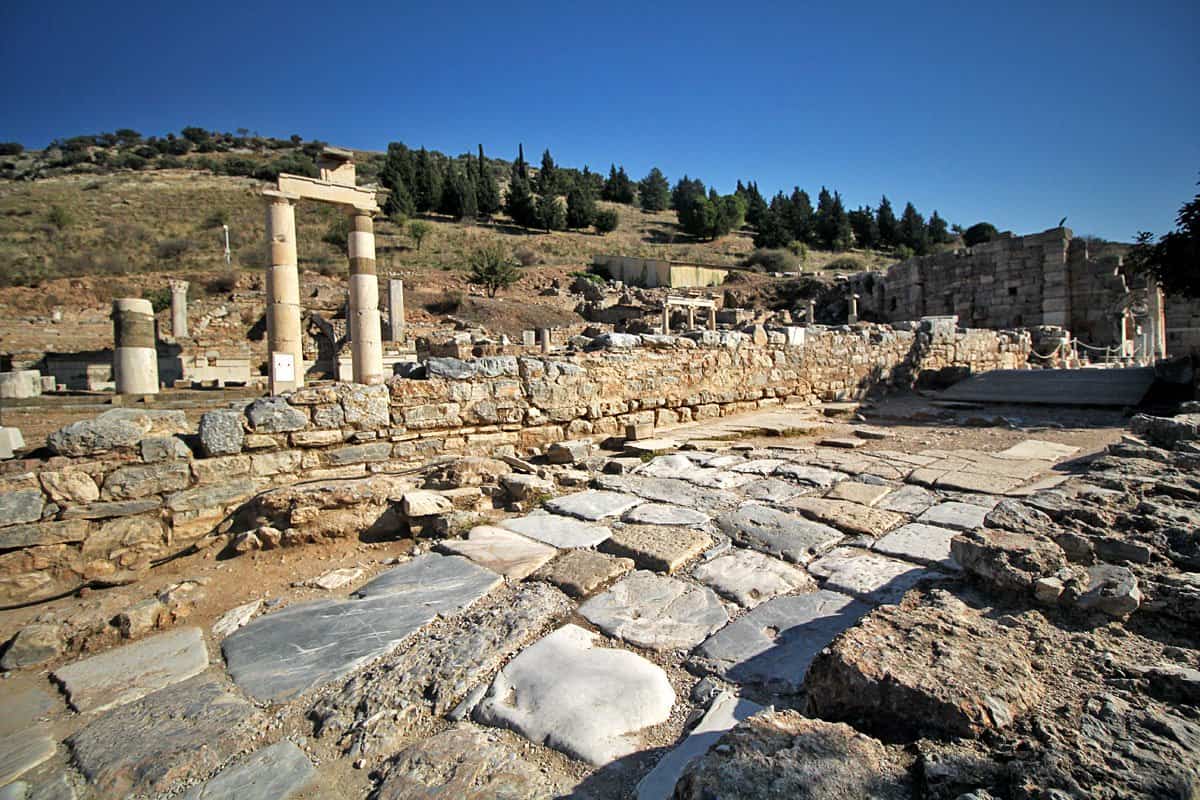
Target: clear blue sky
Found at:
x=1017, y=113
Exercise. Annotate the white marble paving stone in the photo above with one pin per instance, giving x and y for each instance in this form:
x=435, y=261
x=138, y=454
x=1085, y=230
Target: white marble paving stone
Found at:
x=870, y=577
x=557, y=531
x=921, y=543
x=676, y=465
x=588, y=702
x=953, y=514
x=908, y=499
x=665, y=514
x=593, y=504
x=750, y=578
x=656, y=612
x=275, y=772
x=21, y=752
x=500, y=550
x=135, y=670
x=1038, y=450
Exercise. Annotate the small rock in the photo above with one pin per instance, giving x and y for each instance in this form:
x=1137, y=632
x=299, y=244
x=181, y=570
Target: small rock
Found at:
x=34, y=644
x=221, y=432
x=246, y=541
x=419, y=503
x=141, y=618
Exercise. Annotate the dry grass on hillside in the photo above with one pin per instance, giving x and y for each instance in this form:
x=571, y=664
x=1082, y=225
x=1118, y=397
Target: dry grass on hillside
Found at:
x=170, y=221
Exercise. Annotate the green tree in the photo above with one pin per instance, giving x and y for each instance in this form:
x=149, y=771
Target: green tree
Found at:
x=799, y=215
x=889, y=227
x=397, y=177
x=912, y=230
x=619, y=188
x=520, y=170
x=772, y=231
x=866, y=229
x=493, y=269
x=427, y=182
x=697, y=216
x=938, y=231
x=1175, y=259
x=979, y=233
x=654, y=191
x=756, y=206
x=551, y=215
x=685, y=189
x=487, y=191
x=417, y=231
x=59, y=217
x=547, y=177
x=520, y=204
x=581, y=207
x=606, y=221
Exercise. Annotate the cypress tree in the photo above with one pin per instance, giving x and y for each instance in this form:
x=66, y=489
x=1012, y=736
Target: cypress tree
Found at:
x=889, y=228
x=550, y=213
x=396, y=177
x=773, y=231
x=581, y=206
x=654, y=191
x=839, y=225
x=547, y=179
x=521, y=204
x=866, y=230
x=756, y=206
x=938, y=231
x=487, y=192
x=427, y=182
x=912, y=230
x=801, y=218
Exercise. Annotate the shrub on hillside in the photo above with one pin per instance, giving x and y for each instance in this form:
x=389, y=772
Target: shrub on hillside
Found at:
x=605, y=222
x=160, y=299
x=979, y=233
x=11, y=148
x=216, y=219
x=526, y=257
x=59, y=217
x=773, y=260
x=845, y=264
x=338, y=233
x=169, y=249
x=492, y=269
x=450, y=302
x=222, y=284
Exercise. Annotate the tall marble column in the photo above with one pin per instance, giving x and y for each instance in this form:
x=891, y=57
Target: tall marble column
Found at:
x=366, y=332
x=285, y=348
x=396, y=310
x=179, y=315
x=135, y=359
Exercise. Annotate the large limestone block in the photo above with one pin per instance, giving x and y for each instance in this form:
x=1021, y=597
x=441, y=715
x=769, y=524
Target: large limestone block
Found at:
x=778, y=533
x=932, y=664
x=124, y=674
x=593, y=505
x=868, y=576
x=851, y=518
x=275, y=772
x=510, y=554
x=589, y=702
x=750, y=578
x=557, y=531
x=656, y=612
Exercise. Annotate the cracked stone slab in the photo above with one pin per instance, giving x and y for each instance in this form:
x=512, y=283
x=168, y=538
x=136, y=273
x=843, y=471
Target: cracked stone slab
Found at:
x=581, y=573
x=849, y=517
x=157, y=742
x=660, y=548
x=1038, y=450
x=750, y=578
x=773, y=645
x=665, y=514
x=21, y=752
x=759, y=466
x=820, y=477
x=870, y=577
x=126, y=673
x=656, y=612
x=668, y=490
x=466, y=763
x=778, y=533
x=908, y=499
x=726, y=711
x=500, y=550
x=282, y=654
x=953, y=514
x=676, y=465
x=720, y=478
x=557, y=531
x=921, y=543
x=443, y=583
x=774, y=490
x=867, y=494
x=586, y=701
x=983, y=483
x=275, y=772
x=593, y=504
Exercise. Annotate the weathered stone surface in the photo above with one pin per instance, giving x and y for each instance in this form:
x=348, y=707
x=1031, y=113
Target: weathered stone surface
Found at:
x=908, y=499
x=848, y=517
x=364, y=407
x=235, y=618
x=572, y=452
x=222, y=432
x=438, y=670
x=70, y=487
x=1008, y=561
x=773, y=490
x=778, y=533
x=866, y=575
x=26, y=702
x=1111, y=589
x=444, y=583
x=114, y=429
x=1013, y=515
x=163, y=448
x=782, y=754
x=867, y=494
x=759, y=466
x=140, y=618
x=465, y=763
x=420, y=503
x=275, y=772
x=23, y=505
x=812, y=476
x=669, y=490
x=675, y=465
x=124, y=674
x=932, y=664
x=36, y=643
x=773, y=645
x=581, y=573
x=526, y=488
x=140, y=480
x=218, y=495
x=1039, y=450
x=664, y=514
x=510, y=554
x=359, y=454
x=587, y=701
x=276, y=463
x=557, y=531
x=168, y=737
x=21, y=752
x=656, y=612
x=275, y=415
x=282, y=654
x=750, y=578
x=43, y=533
x=122, y=508
x=593, y=505
x=335, y=578
x=953, y=514
x=722, y=716
x=657, y=547
x=921, y=543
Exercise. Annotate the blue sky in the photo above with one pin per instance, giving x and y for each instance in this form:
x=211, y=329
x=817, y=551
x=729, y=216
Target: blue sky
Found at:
x=1019, y=114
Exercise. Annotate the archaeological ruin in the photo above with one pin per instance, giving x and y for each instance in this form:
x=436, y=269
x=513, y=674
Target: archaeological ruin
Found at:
x=932, y=532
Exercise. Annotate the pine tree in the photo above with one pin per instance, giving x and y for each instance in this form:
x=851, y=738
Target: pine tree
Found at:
x=756, y=206
x=592, y=181
x=550, y=213
x=427, y=182
x=520, y=204
x=773, y=231
x=800, y=218
x=685, y=189
x=547, y=179
x=458, y=193
x=654, y=191
x=396, y=176
x=487, y=192
x=937, y=229
x=823, y=223
x=885, y=220
x=842, y=237
x=912, y=230
x=619, y=188
x=581, y=206
x=864, y=226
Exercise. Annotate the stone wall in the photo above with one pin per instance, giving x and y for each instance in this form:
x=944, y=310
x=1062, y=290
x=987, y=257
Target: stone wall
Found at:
x=132, y=487
x=652, y=272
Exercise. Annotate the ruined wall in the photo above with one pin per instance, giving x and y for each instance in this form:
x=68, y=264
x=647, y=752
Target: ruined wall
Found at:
x=1015, y=281
x=131, y=488
x=652, y=272
x=1183, y=325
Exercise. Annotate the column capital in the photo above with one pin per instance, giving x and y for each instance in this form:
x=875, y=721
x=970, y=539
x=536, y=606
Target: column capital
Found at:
x=178, y=285
x=274, y=196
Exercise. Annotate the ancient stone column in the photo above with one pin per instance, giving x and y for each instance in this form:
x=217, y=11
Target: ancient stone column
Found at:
x=366, y=332
x=852, y=317
x=135, y=360
x=812, y=313
x=691, y=318
x=712, y=318
x=285, y=349
x=545, y=334
x=179, y=289
x=666, y=318
x=396, y=310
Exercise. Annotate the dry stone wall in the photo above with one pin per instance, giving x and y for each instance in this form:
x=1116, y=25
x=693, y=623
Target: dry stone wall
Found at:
x=132, y=487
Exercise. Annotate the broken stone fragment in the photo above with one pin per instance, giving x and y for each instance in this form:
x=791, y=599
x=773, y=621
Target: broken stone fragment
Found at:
x=570, y=452
x=420, y=503
x=34, y=644
x=1112, y=590
x=1008, y=561
x=141, y=618
x=246, y=542
x=522, y=488
x=221, y=432
x=275, y=415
